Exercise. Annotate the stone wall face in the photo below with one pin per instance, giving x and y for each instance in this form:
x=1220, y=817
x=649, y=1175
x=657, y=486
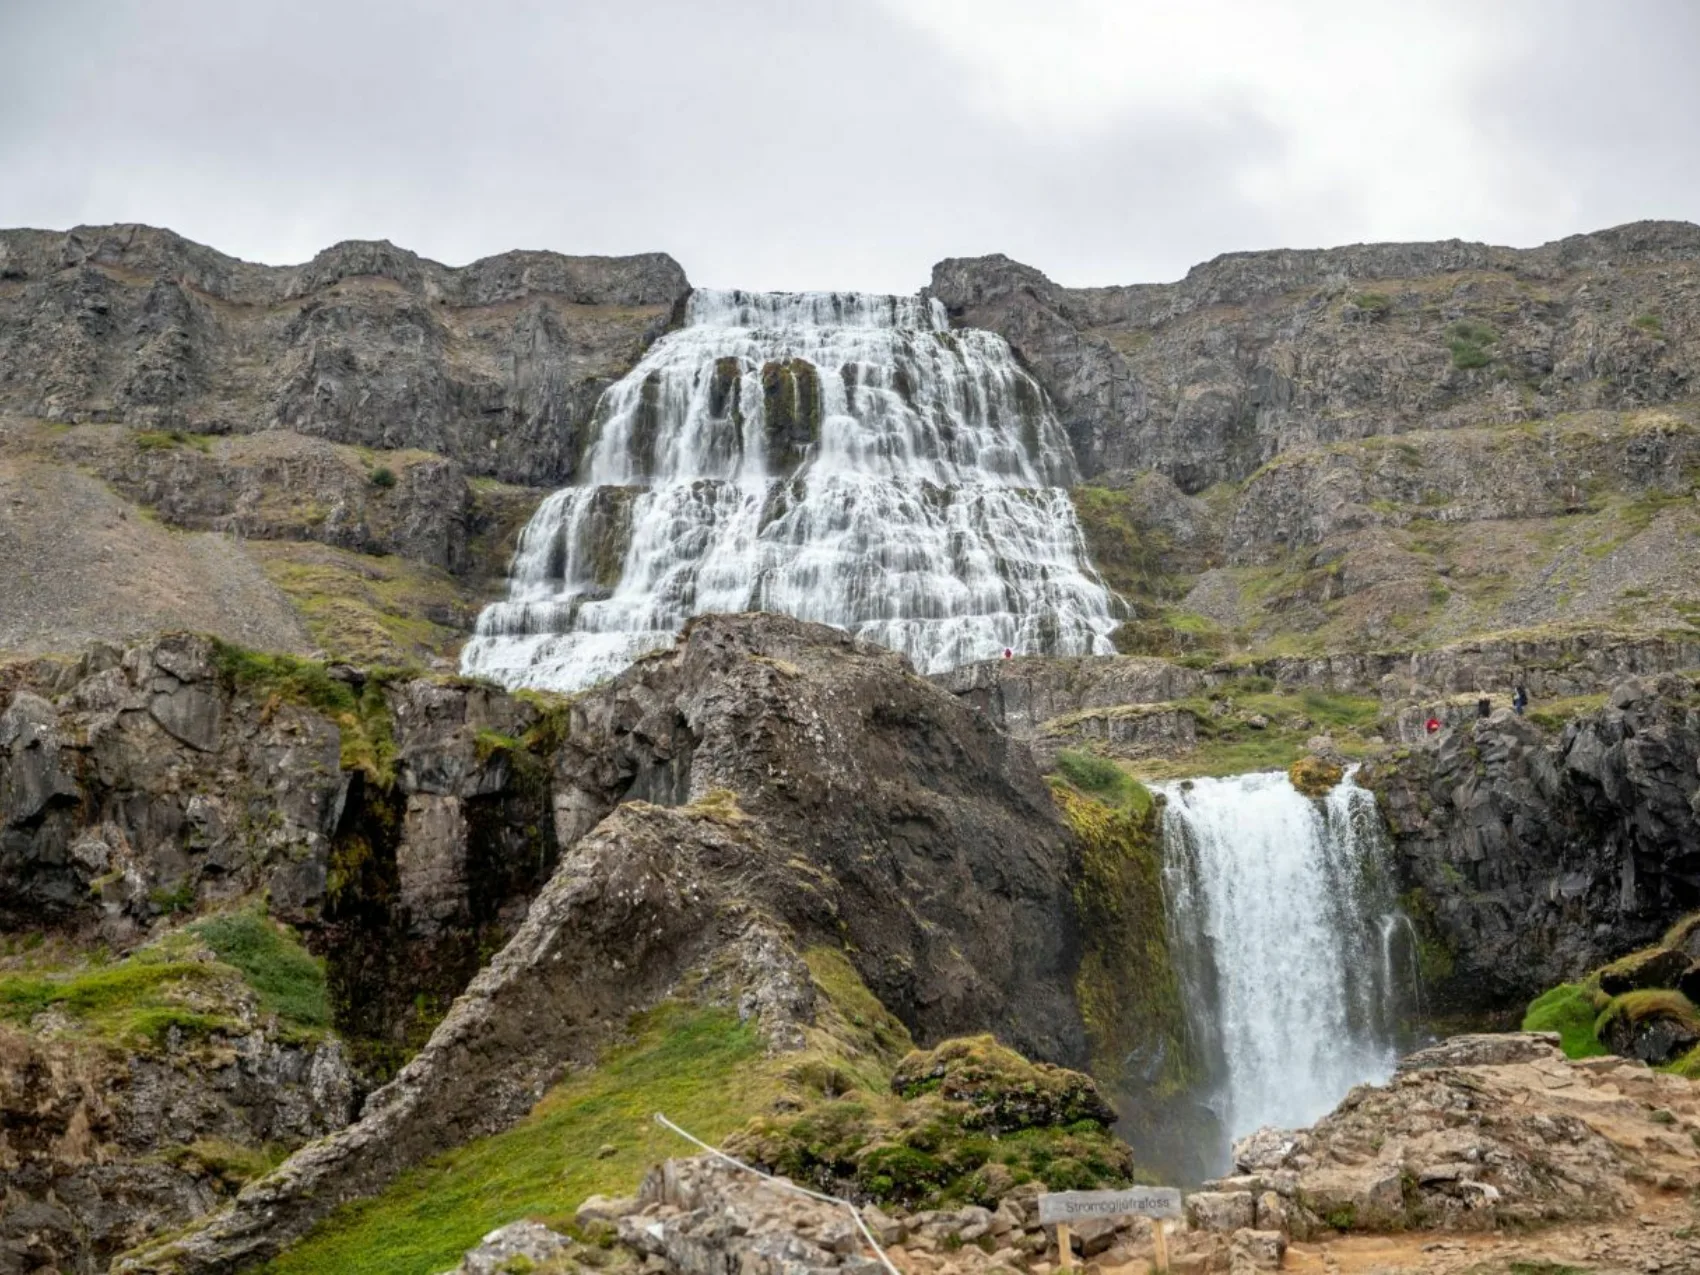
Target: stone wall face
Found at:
x=1529, y=860
x=496, y=365
x=1255, y=354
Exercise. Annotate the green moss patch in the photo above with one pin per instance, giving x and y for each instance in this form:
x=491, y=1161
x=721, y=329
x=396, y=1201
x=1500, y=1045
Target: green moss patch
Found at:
x=1127, y=987
x=289, y=981
x=1647, y=1004
x=1127, y=555
x=960, y=1123
x=1102, y=778
x=371, y=610
x=1571, y=1010
x=1315, y=777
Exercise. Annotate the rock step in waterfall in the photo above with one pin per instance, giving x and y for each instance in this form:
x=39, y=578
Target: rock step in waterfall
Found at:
x=1295, y=962
x=840, y=457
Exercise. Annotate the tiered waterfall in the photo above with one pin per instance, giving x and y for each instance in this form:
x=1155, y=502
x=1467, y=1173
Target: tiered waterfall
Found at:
x=838, y=457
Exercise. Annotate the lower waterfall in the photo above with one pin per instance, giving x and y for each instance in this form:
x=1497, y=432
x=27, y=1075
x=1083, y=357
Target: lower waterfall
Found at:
x=1293, y=958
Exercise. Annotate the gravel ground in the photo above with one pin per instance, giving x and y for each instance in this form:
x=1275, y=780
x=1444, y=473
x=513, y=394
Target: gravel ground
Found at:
x=79, y=563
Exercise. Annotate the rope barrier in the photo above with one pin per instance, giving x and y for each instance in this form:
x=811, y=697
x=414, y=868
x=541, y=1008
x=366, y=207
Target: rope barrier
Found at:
x=785, y=1185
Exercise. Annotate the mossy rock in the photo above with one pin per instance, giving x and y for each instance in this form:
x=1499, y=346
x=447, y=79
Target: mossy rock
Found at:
x=791, y=411
x=1648, y=968
x=962, y=1123
x=1685, y=936
x=1315, y=777
x=1003, y=1091
x=1571, y=1010
x=723, y=389
x=1655, y=1025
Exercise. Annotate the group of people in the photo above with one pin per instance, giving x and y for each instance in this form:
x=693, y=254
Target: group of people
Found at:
x=1484, y=706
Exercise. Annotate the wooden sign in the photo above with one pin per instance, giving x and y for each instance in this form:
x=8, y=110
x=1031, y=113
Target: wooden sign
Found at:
x=1063, y=1207
x=1141, y=1201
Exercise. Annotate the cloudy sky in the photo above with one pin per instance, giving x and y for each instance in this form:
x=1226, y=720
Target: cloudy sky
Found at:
x=850, y=143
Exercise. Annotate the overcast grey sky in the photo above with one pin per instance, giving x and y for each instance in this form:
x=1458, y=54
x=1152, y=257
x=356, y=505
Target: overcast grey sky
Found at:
x=850, y=144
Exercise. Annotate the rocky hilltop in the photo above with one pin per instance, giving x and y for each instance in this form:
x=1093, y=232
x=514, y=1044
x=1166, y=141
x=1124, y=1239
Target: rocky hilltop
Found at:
x=496, y=365
x=1257, y=353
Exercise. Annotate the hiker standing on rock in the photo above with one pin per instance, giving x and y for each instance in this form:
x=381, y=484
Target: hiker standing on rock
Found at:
x=1519, y=699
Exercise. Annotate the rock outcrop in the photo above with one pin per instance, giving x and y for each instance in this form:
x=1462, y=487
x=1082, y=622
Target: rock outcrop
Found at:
x=1479, y=1133
x=183, y=774
x=1529, y=860
x=766, y=784
x=99, y=1151
x=1253, y=354
x=496, y=365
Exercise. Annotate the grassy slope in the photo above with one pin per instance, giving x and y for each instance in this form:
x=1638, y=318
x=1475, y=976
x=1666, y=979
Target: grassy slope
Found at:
x=701, y=1067
x=194, y=980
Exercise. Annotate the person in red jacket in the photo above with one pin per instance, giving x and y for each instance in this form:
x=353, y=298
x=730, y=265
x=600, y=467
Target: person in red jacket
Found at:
x=1432, y=725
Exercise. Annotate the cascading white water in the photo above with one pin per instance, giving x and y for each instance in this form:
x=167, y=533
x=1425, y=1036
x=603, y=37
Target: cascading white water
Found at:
x=845, y=458
x=1286, y=934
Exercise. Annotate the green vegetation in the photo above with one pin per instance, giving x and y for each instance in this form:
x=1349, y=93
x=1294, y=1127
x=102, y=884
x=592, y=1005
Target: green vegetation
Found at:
x=164, y=440
x=1314, y=777
x=229, y=1164
x=1648, y=1003
x=135, y=1002
x=1571, y=1010
x=383, y=477
x=1688, y=1066
x=962, y=1122
x=362, y=718
x=1651, y=324
x=1556, y=714
x=701, y=1067
x=1231, y=741
x=854, y=1104
x=289, y=980
x=1127, y=556
x=1104, y=779
x=192, y=980
x=365, y=609
x=1468, y=341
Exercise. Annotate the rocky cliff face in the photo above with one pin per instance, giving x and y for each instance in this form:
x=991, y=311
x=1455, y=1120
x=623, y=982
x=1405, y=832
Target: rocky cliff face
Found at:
x=1529, y=859
x=496, y=365
x=103, y=1150
x=685, y=829
x=1254, y=354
